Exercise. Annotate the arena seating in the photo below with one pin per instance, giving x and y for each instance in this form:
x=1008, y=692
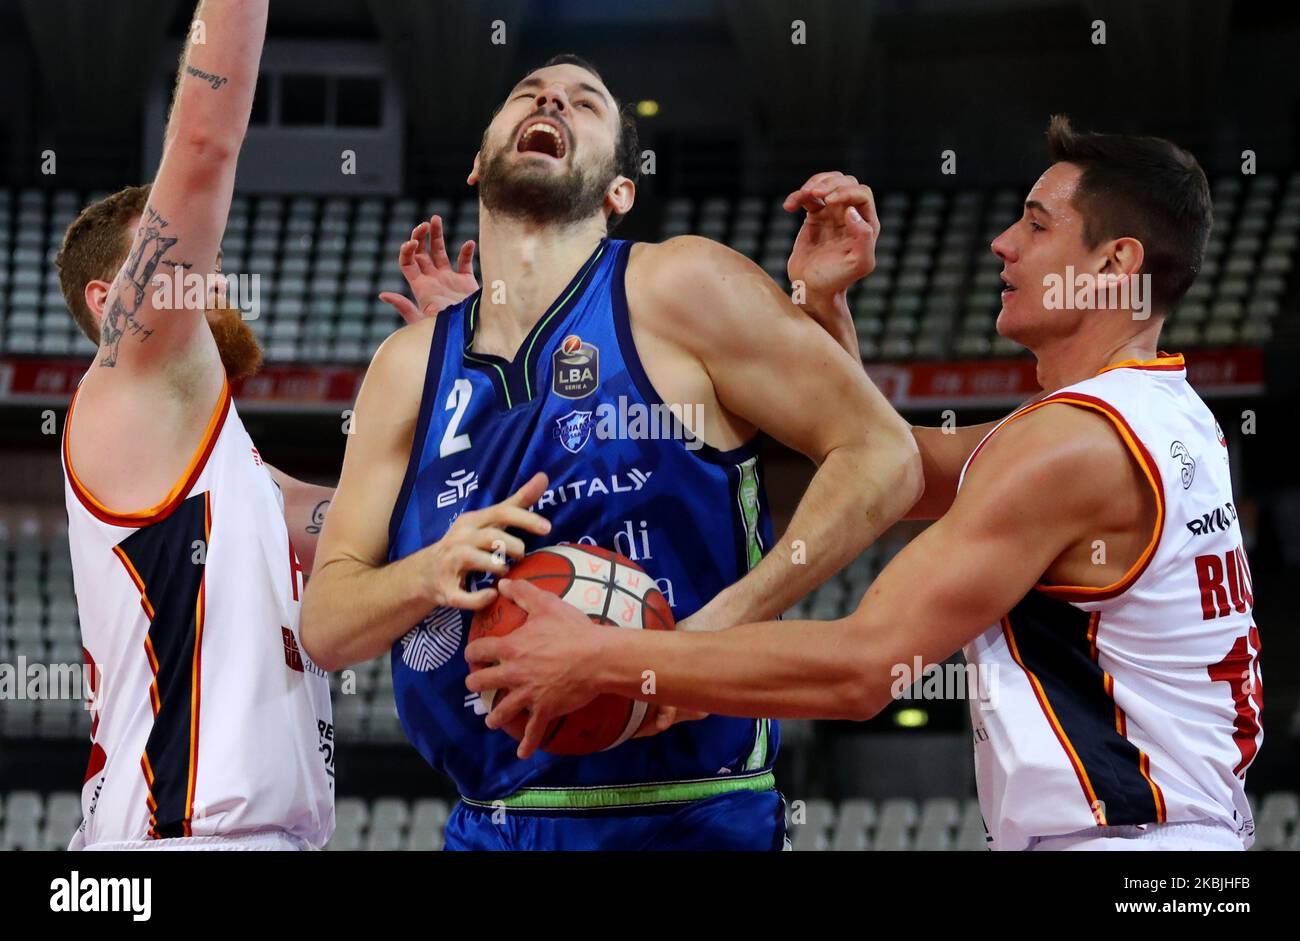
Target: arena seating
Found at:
x=29, y=821
x=321, y=263
x=41, y=624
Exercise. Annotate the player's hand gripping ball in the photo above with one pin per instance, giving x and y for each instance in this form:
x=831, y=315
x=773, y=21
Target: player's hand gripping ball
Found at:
x=609, y=589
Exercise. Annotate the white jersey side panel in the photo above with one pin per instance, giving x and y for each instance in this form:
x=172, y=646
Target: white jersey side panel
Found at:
x=1137, y=702
x=209, y=718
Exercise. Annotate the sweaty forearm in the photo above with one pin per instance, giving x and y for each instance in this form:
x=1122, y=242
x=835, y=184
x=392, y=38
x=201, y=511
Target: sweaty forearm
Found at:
x=834, y=316
x=353, y=611
x=774, y=669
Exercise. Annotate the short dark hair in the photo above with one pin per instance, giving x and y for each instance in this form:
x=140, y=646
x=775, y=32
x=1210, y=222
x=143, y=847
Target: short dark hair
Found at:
x=94, y=247
x=1145, y=188
x=627, y=148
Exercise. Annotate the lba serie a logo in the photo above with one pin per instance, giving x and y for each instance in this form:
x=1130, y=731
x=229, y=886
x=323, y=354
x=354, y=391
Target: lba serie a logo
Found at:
x=575, y=368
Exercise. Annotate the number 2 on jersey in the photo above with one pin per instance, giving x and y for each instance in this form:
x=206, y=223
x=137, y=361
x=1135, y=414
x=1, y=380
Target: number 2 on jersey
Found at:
x=453, y=443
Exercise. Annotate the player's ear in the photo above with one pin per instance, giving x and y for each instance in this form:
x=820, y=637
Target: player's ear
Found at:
x=95, y=294
x=472, y=179
x=1125, y=256
x=620, y=196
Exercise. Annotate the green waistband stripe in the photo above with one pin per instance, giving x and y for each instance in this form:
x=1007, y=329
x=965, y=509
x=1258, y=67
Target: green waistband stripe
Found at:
x=627, y=795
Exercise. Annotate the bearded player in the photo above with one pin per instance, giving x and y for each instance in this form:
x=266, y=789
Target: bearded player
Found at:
x=482, y=430
x=1088, y=555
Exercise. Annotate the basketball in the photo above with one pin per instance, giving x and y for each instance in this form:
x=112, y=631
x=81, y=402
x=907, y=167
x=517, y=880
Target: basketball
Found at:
x=609, y=589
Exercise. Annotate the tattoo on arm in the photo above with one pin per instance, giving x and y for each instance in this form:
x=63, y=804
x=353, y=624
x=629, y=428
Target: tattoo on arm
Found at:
x=216, y=81
x=318, y=518
x=131, y=285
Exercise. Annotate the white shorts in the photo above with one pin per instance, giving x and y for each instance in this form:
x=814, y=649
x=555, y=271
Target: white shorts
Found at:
x=1190, y=835
x=264, y=840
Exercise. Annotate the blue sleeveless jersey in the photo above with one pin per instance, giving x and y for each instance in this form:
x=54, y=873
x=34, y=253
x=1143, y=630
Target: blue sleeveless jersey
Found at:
x=576, y=404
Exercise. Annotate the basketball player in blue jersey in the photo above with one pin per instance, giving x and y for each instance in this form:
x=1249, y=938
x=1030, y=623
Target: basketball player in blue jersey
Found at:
x=537, y=411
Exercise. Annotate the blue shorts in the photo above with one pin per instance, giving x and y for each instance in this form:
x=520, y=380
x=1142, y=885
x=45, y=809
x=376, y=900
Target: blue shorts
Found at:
x=741, y=820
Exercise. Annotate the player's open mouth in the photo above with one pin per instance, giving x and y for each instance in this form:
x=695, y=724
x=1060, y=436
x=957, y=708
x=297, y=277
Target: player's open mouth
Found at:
x=1007, y=286
x=542, y=137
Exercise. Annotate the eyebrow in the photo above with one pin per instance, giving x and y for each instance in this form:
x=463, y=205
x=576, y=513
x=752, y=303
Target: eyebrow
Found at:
x=537, y=83
x=1035, y=204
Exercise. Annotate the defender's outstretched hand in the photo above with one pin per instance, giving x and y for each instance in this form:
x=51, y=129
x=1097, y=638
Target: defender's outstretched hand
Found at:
x=543, y=663
x=546, y=666
x=429, y=273
x=836, y=246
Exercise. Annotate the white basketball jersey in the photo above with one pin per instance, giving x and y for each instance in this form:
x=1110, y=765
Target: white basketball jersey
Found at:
x=1138, y=702
x=209, y=719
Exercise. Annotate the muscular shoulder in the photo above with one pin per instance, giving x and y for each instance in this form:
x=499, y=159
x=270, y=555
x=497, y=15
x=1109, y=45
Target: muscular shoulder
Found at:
x=697, y=284
x=1057, y=460
x=405, y=350
x=395, y=378
x=686, y=259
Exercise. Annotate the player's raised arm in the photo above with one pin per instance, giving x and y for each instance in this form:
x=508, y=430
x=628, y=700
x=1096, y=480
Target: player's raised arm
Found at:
x=1042, y=486
x=775, y=368
x=357, y=603
x=148, y=327
x=835, y=248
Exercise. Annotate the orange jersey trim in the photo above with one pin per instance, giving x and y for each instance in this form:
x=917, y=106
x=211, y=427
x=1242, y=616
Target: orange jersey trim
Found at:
x=1149, y=469
x=1163, y=361
x=153, y=685
x=149, y=801
x=1085, y=783
x=173, y=499
x=1121, y=720
x=196, y=679
x=139, y=582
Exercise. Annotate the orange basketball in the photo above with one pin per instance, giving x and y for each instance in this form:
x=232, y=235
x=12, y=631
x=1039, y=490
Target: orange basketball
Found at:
x=609, y=589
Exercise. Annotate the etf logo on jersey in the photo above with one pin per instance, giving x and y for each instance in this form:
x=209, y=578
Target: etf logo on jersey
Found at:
x=575, y=368
x=460, y=485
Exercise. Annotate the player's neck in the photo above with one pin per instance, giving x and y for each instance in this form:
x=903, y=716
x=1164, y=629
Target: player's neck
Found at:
x=1063, y=361
x=525, y=267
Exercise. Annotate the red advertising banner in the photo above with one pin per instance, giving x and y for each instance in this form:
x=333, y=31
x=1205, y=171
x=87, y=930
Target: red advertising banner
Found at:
x=278, y=387
x=289, y=388
x=1010, y=381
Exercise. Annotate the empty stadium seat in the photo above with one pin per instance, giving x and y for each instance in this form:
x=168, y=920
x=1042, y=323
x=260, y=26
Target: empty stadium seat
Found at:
x=30, y=821
x=810, y=824
x=854, y=823
x=894, y=828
